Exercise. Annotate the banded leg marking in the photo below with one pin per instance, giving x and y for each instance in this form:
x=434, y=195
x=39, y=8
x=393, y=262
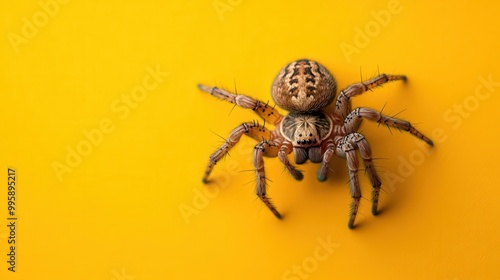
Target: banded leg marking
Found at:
x=252, y=129
x=266, y=112
x=261, y=149
x=353, y=120
x=327, y=156
x=360, y=142
x=348, y=151
x=342, y=104
x=285, y=149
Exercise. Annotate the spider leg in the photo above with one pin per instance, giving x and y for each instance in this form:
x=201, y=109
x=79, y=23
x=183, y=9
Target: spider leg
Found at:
x=252, y=129
x=348, y=151
x=353, y=120
x=359, y=141
x=342, y=104
x=261, y=149
x=327, y=156
x=263, y=109
x=285, y=149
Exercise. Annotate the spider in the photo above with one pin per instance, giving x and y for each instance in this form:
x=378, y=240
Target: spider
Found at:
x=305, y=88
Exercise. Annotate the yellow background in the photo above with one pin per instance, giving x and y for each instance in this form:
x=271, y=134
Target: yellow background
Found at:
x=117, y=214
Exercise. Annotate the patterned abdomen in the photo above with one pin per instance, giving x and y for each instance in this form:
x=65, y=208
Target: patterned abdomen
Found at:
x=304, y=86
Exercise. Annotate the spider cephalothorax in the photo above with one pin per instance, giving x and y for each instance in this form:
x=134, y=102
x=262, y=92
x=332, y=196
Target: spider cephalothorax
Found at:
x=306, y=131
x=304, y=87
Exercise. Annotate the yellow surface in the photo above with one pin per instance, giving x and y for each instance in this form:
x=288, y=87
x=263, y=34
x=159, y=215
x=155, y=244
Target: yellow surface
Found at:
x=76, y=78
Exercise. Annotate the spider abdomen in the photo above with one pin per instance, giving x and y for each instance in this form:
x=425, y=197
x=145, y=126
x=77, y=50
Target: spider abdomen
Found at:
x=304, y=86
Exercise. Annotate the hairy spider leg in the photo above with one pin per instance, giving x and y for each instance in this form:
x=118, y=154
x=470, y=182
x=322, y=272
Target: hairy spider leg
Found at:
x=343, y=105
x=357, y=140
x=269, y=149
x=353, y=120
x=252, y=129
x=264, y=110
x=348, y=151
x=327, y=156
x=286, y=149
